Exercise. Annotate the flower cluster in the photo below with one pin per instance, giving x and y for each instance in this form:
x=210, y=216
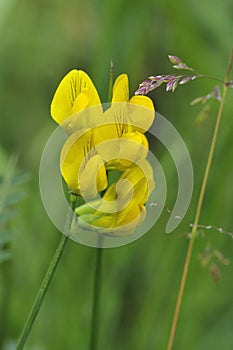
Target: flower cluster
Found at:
x=102, y=144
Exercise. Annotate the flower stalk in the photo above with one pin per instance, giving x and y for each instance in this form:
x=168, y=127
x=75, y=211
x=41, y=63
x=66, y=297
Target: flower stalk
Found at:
x=46, y=281
x=96, y=298
x=198, y=210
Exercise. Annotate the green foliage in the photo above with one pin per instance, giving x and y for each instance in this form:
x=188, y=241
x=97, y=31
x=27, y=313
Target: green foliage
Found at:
x=11, y=194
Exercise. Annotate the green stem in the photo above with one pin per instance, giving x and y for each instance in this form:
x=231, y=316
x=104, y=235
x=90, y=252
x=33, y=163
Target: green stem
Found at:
x=199, y=75
x=45, y=283
x=96, y=300
x=198, y=212
x=110, y=82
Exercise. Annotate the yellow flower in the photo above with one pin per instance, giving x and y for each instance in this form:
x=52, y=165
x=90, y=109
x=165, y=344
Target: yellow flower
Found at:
x=122, y=207
x=75, y=92
x=135, y=113
x=80, y=166
x=121, y=152
x=126, y=121
x=99, y=140
x=113, y=224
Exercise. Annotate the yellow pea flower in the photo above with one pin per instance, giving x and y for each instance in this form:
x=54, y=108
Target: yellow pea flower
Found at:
x=119, y=152
x=111, y=224
x=85, y=155
x=137, y=113
x=90, y=155
x=122, y=207
x=82, y=169
x=126, y=120
x=75, y=92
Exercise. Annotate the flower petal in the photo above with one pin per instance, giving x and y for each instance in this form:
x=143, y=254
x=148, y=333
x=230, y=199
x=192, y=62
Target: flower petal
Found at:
x=126, y=151
x=141, y=178
x=120, y=91
x=81, y=102
x=129, y=220
x=86, y=118
x=141, y=112
x=67, y=99
x=134, y=145
x=142, y=101
x=81, y=169
x=93, y=178
x=72, y=155
x=121, y=223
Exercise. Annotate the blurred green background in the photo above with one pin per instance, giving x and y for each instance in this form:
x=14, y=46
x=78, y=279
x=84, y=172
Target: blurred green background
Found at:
x=40, y=42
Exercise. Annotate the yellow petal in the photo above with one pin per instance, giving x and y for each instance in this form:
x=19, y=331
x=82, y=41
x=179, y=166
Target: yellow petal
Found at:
x=134, y=147
x=144, y=101
x=117, y=116
x=86, y=85
x=123, y=152
x=132, y=189
x=141, y=179
x=81, y=102
x=92, y=178
x=66, y=100
x=105, y=132
x=120, y=91
x=85, y=118
x=117, y=223
x=72, y=155
x=129, y=220
x=136, y=193
x=141, y=112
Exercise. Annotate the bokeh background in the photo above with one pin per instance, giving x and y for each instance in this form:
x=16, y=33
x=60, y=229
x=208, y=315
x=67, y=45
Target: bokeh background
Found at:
x=40, y=42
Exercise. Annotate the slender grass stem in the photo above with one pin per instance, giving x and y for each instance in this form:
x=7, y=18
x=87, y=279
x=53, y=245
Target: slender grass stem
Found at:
x=198, y=211
x=211, y=78
x=46, y=282
x=96, y=299
x=110, y=82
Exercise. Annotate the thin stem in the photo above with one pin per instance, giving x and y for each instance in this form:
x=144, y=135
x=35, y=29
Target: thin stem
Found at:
x=46, y=282
x=211, y=78
x=199, y=75
x=96, y=300
x=110, y=82
x=198, y=212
